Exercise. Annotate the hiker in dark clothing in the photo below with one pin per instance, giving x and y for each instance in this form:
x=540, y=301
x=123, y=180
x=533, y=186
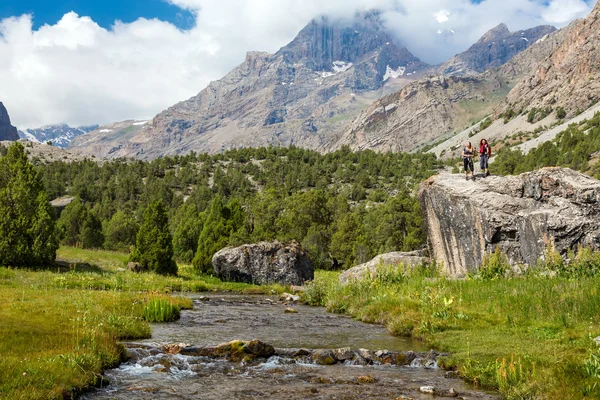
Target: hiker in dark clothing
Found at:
x=467, y=155
x=485, y=152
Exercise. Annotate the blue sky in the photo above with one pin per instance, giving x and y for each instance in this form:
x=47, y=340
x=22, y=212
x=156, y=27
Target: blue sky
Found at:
x=103, y=12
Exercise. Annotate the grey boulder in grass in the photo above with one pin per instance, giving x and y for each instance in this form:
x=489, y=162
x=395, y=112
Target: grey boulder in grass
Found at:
x=264, y=263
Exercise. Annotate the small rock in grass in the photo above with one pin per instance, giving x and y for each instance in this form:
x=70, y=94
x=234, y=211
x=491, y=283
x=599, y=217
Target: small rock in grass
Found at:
x=290, y=310
x=597, y=340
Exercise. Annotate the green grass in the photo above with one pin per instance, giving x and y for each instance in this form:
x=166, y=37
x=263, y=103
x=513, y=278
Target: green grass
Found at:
x=60, y=327
x=526, y=337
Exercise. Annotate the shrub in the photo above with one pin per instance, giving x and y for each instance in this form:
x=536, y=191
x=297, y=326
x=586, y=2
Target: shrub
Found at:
x=561, y=113
x=494, y=265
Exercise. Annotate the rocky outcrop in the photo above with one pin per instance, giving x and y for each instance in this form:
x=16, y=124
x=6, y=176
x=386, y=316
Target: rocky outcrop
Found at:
x=568, y=78
x=264, y=263
x=7, y=131
x=521, y=215
x=493, y=50
x=395, y=259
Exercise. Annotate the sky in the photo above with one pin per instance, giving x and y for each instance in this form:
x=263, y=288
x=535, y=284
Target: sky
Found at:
x=86, y=62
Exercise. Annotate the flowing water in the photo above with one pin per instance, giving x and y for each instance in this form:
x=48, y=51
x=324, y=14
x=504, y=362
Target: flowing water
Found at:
x=152, y=374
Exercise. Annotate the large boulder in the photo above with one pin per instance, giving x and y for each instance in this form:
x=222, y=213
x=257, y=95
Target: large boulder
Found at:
x=264, y=263
x=394, y=259
x=521, y=215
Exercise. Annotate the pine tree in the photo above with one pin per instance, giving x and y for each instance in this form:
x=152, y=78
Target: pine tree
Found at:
x=220, y=224
x=27, y=223
x=154, y=244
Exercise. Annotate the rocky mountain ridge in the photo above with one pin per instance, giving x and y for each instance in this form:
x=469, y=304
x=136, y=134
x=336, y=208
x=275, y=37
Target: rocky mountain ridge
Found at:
x=60, y=135
x=494, y=49
x=7, y=131
x=568, y=78
x=337, y=85
x=298, y=95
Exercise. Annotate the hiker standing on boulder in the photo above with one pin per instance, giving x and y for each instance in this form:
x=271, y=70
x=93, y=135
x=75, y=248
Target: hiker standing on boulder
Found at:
x=467, y=155
x=485, y=152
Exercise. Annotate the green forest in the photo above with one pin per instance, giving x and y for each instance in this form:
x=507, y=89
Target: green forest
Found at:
x=343, y=208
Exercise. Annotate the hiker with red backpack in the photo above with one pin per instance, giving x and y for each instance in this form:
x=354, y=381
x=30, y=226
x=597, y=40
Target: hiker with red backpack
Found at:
x=485, y=152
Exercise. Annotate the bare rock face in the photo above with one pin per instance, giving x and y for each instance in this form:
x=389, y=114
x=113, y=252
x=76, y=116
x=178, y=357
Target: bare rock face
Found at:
x=568, y=78
x=394, y=259
x=264, y=263
x=419, y=114
x=7, y=131
x=519, y=214
x=493, y=50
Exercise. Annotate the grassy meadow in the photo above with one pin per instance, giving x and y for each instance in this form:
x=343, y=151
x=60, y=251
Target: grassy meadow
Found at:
x=529, y=337
x=61, y=327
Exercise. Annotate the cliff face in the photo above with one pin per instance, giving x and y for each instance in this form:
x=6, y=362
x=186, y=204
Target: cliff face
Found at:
x=519, y=214
x=494, y=49
x=7, y=131
x=569, y=77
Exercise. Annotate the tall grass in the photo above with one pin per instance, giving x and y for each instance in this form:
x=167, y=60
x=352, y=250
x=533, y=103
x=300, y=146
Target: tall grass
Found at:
x=161, y=310
x=60, y=327
x=527, y=337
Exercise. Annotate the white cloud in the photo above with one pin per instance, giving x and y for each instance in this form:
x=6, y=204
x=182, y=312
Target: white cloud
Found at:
x=442, y=16
x=77, y=72
x=561, y=11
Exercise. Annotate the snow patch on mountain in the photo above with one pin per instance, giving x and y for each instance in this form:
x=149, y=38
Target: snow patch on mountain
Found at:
x=59, y=135
x=393, y=73
x=140, y=123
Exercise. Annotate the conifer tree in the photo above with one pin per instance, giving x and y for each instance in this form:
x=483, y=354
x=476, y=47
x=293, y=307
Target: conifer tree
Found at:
x=220, y=223
x=154, y=244
x=27, y=225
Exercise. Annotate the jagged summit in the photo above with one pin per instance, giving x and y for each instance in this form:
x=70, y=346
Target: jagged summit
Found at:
x=495, y=33
x=7, y=131
x=325, y=41
x=495, y=48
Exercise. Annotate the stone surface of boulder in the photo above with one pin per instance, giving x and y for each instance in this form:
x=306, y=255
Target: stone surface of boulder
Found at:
x=395, y=259
x=264, y=263
x=521, y=215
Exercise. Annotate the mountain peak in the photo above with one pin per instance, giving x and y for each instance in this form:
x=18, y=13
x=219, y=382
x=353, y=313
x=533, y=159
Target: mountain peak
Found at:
x=324, y=41
x=495, y=33
x=7, y=131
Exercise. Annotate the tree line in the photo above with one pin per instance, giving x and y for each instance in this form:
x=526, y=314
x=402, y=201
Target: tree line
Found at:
x=343, y=207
